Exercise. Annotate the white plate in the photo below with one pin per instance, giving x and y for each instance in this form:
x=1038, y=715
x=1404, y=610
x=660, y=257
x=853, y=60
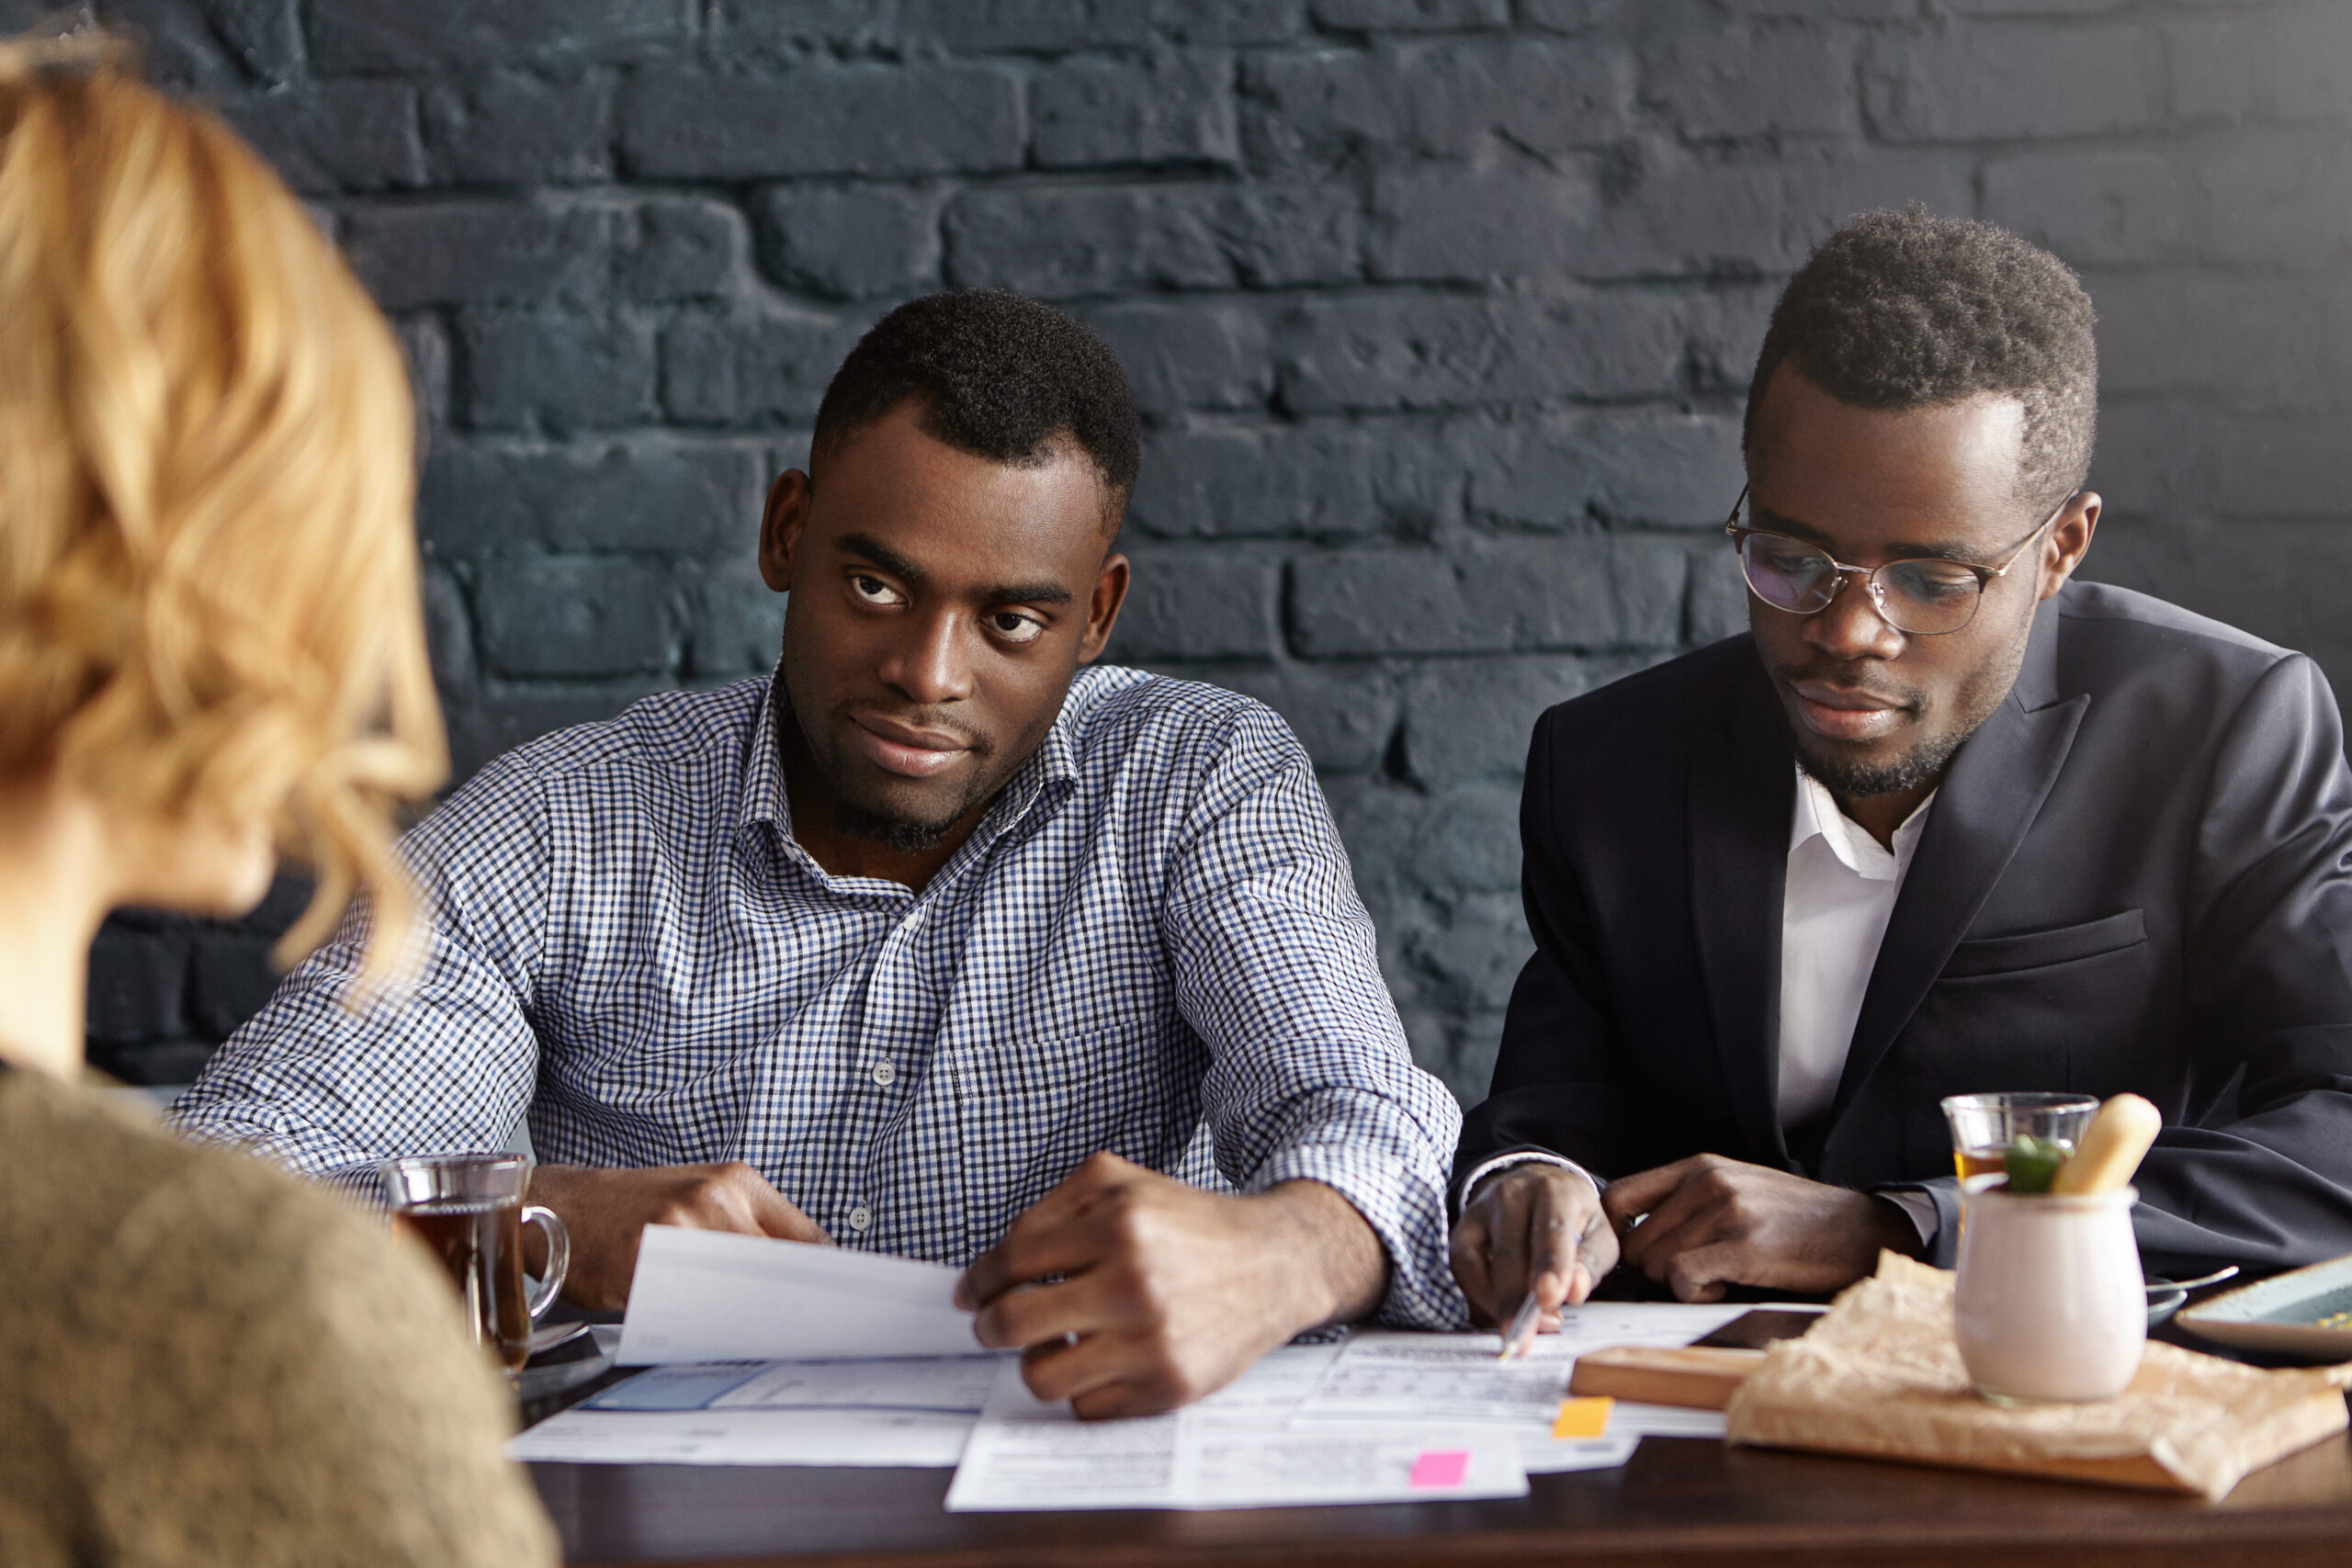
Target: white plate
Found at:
x=2281, y=1312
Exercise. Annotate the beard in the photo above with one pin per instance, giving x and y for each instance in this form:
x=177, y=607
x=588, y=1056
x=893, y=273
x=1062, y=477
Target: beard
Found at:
x=1845, y=777
x=900, y=833
x=1971, y=704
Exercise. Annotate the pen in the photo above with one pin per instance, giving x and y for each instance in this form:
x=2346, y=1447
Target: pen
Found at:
x=1521, y=1332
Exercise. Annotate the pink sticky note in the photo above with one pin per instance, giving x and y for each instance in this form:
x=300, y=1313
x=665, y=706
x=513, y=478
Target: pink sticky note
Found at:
x=1441, y=1468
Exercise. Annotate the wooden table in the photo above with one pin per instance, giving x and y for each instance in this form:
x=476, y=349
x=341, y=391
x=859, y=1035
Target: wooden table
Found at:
x=1680, y=1502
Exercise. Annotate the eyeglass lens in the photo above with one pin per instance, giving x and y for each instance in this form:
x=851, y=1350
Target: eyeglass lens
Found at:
x=1923, y=596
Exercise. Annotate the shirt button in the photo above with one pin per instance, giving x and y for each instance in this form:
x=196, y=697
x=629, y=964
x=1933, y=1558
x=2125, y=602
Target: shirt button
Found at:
x=884, y=1073
x=859, y=1217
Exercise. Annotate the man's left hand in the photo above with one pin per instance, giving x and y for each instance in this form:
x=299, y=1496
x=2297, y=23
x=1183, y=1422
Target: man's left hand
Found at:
x=1713, y=1221
x=1130, y=1294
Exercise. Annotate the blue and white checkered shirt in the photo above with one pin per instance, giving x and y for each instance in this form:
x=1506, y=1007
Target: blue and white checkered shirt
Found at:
x=1151, y=944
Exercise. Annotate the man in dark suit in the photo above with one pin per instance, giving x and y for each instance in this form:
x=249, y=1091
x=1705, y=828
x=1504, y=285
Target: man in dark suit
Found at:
x=1941, y=822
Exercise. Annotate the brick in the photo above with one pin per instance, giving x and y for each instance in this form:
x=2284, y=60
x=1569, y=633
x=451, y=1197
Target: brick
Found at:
x=519, y=127
x=1051, y=26
x=850, y=243
x=796, y=27
x=1468, y=841
x=502, y=721
x=940, y=117
x=1228, y=21
x=425, y=347
x=335, y=136
x=1647, y=466
x=1726, y=334
x=1716, y=603
x=1391, y=352
x=1190, y=356
x=1469, y=956
x=1471, y=718
x=1315, y=482
x=1435, y=99
x=558, y=370
x=231, y=977
x=2272, y=197
x=2096, y=207
x=766, y=366
x=682, y=248
x=1061, y=242
x=2009, y=80
x=1169, y=106
x=1767, y=81
x=420, y=35
x=1713, y=213
x=2287, y=63
x=1411, y=15
x=1344, y=717
x=1440, y=223
x=1576, y=594
x=736, y=624
x=207, y=46
x=2254, y=341
x=574, y=616
x=646, y=493
x=2281, y=467
x=481, y=252
x=138, y=984
x=1577, y=16
x=1196, y=604
x=448, y=630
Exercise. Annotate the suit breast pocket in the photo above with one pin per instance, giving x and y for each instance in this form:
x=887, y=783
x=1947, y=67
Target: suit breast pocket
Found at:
x=1989, y=956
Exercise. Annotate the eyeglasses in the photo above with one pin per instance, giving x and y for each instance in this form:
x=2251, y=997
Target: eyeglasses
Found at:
x=1926, y=597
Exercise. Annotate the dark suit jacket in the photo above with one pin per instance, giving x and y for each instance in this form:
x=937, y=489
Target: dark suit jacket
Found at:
x=2137, y=875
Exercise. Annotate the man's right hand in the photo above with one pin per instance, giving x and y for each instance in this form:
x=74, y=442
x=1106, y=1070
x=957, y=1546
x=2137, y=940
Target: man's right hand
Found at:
x=1533, y=1227
x=605, y=1212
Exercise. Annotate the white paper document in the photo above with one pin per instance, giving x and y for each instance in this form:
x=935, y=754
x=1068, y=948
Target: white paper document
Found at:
x=714, y=1296
x=915, y=1439
x=1233, y=1450
x=913, y=1412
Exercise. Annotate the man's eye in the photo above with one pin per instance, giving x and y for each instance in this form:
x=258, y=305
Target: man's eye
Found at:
x=873, y=589
x=1931, y=583
x=1014, y=627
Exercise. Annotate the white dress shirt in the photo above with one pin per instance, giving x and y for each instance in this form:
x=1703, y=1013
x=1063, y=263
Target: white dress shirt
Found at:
x=1841, y=889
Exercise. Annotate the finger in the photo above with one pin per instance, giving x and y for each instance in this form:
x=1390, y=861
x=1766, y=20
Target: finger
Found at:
x=1560, y=1212
x=1040, y=1241
x=1630, y=1197
x=1029, y=1316
x=778, y=1215
x=1471, y=1268
x=1073, y=1370
x=1700, y=1273
x=1596, y=1256
x=1667, y=1228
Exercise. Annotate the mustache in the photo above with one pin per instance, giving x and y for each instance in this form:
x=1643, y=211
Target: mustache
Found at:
x=982, y=748
x=1851, y=678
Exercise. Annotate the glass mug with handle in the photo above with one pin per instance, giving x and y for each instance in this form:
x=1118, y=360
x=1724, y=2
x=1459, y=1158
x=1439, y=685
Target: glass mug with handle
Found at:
x=468, y=1211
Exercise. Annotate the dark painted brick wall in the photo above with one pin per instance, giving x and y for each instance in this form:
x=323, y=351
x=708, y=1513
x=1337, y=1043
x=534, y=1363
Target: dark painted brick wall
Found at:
x=1439, y=310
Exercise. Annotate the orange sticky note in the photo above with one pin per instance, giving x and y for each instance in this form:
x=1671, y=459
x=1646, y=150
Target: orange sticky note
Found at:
x=1583, y=1417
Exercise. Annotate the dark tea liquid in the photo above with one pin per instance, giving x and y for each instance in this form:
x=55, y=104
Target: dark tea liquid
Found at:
x=482, y=1246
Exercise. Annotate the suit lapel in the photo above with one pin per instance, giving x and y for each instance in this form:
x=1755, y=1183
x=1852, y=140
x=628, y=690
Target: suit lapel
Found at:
x=1987, y=801
x=1742, y=786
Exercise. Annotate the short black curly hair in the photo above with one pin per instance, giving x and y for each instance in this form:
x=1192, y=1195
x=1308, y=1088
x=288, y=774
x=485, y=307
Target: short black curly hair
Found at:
x=1904, y=310
x=998, y=377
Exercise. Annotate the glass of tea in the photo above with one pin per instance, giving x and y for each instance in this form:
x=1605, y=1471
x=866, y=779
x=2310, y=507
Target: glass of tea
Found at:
x=1985, y=1125
x=468, y=1211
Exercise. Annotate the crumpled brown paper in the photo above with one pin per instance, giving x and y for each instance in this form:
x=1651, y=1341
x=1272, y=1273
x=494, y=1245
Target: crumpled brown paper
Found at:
x=1881, y=1375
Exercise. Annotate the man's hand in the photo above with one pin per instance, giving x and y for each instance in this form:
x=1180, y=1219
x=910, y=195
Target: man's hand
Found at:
x=1713, y=1221
x=1131, y=1294
x=1537, y=1227
x=605, y=1212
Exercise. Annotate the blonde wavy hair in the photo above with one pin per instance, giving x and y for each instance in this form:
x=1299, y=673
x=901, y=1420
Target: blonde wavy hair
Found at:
x=207, y=557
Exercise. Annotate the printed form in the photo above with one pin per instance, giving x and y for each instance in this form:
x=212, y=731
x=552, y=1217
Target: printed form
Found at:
x=1234, y=1449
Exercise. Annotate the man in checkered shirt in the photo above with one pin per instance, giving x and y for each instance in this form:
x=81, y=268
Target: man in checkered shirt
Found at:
x=935, y=944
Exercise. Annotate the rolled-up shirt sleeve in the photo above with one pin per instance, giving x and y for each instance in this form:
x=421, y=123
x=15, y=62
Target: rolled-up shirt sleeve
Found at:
x=1277, y=969
x=328, y=1078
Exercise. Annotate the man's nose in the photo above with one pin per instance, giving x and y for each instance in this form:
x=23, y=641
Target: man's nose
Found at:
x=1851, y=627
x=931, y=663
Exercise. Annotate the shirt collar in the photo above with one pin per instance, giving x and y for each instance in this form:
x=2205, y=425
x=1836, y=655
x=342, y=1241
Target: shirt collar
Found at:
x=1043, y=781
x=1817, y=815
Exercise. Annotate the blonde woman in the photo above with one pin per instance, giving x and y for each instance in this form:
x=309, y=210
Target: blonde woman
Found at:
x=210, y=646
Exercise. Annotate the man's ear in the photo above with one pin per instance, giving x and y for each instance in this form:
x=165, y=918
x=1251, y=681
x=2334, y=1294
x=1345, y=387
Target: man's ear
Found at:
x=1103, y=608
x=781, y=522
x=2069, y=540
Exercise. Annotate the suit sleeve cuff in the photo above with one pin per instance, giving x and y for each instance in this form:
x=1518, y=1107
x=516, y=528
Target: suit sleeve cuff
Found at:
x=1502, y=1162
x=1933, y=1209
